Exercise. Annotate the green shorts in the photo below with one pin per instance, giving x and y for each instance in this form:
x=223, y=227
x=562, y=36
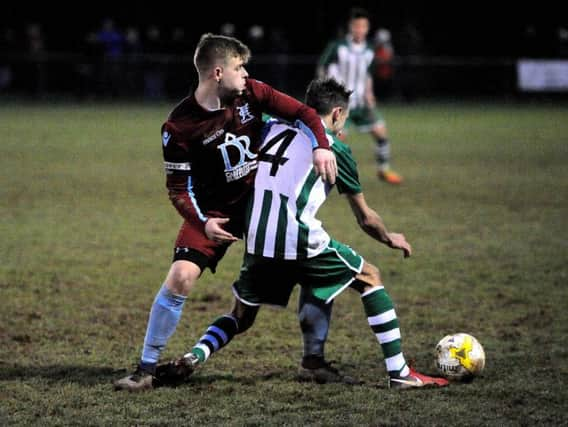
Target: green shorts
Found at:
x=271, y=281
x=364, y=118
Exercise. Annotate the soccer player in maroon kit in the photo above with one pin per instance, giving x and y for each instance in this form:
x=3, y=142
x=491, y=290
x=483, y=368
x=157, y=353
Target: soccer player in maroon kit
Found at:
x=210, y=145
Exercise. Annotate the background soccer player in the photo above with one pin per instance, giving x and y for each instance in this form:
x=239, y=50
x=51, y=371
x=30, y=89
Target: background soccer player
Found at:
x=286, y=244
x=210, y=145
x=350, y=60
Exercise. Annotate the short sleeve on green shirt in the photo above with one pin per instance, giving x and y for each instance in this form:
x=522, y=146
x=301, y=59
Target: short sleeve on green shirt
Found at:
x=347, y=177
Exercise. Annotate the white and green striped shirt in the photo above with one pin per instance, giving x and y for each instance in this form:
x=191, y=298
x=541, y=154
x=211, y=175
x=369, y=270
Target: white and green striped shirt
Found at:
x=350, y=64
x=281, y=218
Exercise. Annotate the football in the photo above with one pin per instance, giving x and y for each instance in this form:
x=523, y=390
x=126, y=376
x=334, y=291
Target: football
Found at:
x=459, y=357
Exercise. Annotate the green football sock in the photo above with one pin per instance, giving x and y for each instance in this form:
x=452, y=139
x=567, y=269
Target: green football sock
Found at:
x=384, y=323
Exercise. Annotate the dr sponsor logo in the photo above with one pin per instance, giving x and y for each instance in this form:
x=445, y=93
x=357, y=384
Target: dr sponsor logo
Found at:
x=246, y=161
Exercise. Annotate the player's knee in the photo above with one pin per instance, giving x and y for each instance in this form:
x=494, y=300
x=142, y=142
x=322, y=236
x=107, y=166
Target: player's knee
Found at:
x=369, y=278
x=245, y=322
x=245, y=316
x=380, y=131
x=375, y=275
x=182, y=277
x=371, y=275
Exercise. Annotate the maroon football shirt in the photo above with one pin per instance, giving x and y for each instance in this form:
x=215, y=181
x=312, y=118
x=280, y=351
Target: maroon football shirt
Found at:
x=211, y=156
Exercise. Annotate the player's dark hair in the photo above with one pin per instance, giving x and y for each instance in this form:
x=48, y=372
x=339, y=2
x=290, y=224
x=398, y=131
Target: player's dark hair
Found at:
x=358, y=13
x=323, y=95
x=213, y=49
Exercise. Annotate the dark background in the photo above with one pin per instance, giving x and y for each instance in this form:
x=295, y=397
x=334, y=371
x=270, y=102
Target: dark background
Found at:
x=454, y=29
x=441, y=49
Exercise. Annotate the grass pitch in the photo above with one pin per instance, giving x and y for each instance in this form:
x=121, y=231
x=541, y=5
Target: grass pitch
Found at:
x=87, y=233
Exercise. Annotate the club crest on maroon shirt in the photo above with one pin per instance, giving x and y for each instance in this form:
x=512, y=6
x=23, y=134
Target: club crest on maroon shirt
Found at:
x=245, y=114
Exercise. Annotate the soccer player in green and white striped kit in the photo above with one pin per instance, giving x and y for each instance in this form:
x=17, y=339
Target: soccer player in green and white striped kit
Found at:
x=350, y=60
x=287, y=245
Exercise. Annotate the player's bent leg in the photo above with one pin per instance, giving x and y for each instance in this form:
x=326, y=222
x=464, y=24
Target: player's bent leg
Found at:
x=217, y=336
x=382, y=318
x=383, y=155
x=222, y=331
x=379, y=130
x=182, y=277
x=314, y=315
x=244, y=314
x=167, y=309
x=368, y=278
x=164, y=316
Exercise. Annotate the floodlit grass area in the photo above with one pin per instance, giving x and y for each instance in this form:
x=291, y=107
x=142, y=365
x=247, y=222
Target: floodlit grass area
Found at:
x=87, y=233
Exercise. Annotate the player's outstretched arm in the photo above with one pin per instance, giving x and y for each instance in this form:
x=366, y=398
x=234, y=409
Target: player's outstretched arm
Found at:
x=372, y=224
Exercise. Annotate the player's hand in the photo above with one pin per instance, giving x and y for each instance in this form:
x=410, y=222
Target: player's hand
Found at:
x=398, y=241
x=325, y=164
x=214, y=230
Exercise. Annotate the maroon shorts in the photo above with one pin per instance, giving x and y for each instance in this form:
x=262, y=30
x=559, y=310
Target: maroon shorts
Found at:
x=193, y=245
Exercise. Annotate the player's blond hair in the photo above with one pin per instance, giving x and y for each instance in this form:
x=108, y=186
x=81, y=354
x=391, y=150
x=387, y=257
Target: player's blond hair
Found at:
x=214, y=49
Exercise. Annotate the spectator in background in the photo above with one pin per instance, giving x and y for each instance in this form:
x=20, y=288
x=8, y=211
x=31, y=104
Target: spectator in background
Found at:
x=36, y=48
x=228, y=29
x=111, y=42
x=350, y=60
x=179, y=64
x=562, y=38
x=529, y=47
x=411, y=45
x=88, y=70
x=7, y=47
x=133, y=51
x=154, y=75
x=384, y=71
x=256, y=40
x=279, y=59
